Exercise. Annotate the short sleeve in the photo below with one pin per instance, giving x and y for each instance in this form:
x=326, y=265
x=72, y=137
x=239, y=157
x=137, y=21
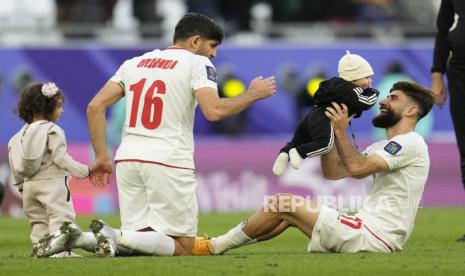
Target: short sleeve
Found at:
x=118, y=77
x=203, y=74
x=400, y=151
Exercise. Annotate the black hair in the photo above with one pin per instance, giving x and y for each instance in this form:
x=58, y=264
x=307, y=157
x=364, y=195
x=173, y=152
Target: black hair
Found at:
x=33, y=102
x=421, y=95
x=192, y=24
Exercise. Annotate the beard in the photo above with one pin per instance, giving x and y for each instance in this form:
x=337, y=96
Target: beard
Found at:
x=386, y=119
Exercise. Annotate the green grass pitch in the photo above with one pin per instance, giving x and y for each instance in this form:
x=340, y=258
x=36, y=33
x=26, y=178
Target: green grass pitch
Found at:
x=431, y=250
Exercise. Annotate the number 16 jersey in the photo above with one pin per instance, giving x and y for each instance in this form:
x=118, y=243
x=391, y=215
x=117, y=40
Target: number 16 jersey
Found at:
x=160, y=105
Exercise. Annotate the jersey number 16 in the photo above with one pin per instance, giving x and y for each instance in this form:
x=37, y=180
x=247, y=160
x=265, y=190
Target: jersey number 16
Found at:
x=153, y=106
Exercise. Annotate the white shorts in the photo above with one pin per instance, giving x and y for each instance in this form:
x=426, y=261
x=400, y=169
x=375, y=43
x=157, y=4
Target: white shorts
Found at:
x=337, y=232
x=157, y=196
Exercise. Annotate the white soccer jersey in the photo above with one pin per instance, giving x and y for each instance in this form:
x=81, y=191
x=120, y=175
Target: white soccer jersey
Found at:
x=160, y=105
x=395, y=195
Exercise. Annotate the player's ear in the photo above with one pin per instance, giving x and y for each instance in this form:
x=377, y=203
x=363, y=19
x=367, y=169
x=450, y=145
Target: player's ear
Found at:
x=413, y=110
x=194, y=42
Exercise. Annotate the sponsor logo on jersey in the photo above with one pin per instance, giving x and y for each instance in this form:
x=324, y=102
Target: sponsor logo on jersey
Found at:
x=392, y=148
x=211, y=73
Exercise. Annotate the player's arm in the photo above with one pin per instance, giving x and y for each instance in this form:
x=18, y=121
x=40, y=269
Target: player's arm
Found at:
x=215, y=108
x=108, y=95
x=332, y=166
x=357, y=165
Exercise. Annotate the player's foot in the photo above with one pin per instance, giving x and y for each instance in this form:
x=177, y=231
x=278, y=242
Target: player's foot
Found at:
x=66, y=254
x=35, y=248
x=74, y=232
x=106, y=238
x=60, y=241
x=202, y=246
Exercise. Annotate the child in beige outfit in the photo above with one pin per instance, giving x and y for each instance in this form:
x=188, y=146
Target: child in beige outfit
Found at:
x=42, y=168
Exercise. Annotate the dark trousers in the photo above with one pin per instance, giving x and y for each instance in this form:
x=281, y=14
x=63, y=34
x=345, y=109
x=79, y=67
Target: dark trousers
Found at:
x=456, y=83
x=313, y=136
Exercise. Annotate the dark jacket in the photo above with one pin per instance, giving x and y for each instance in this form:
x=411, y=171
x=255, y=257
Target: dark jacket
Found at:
x=314, y=135
x=450, y=41
x=342, y=91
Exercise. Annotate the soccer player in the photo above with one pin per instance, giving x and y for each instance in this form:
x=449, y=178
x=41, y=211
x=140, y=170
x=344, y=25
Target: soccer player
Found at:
x=397, y=166
x=154, y=162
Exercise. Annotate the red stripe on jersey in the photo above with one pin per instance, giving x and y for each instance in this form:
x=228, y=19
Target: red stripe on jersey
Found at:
x=152, y=162
x=385, y=244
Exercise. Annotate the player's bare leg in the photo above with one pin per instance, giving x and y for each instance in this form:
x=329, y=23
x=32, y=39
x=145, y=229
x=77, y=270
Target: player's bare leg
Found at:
x=269, y=221
x=184, y=246
x=276, y=232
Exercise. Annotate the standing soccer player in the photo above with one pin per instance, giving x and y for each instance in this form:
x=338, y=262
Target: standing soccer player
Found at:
x=154, y=163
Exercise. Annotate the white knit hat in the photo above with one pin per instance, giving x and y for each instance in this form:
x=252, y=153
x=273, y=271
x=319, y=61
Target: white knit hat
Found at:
x=353, y=67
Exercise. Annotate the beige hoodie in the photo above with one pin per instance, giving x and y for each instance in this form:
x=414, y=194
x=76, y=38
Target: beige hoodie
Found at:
x=38, y=152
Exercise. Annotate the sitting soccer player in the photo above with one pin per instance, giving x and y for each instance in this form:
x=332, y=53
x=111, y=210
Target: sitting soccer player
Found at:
x=314, y=135
x=398, y=167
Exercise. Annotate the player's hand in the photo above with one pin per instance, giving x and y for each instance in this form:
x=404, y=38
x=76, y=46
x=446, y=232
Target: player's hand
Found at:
x=101, y=171
x=438, y=87
x=339, y=116
x=261, y=88
x=280, y=164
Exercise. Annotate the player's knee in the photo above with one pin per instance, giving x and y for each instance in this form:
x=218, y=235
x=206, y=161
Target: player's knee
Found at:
x=285, y=202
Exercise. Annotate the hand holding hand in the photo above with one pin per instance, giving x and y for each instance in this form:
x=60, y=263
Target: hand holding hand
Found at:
x=101, y=171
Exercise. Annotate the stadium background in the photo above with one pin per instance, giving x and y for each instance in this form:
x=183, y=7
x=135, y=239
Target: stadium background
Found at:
x=80, y=44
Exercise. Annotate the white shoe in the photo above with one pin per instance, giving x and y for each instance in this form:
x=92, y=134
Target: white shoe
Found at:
x=74, y=232
x=280, y=164
x=66, y=254
x=106, y=238
x=295, y=158
x=35, y=248
x=58, y=242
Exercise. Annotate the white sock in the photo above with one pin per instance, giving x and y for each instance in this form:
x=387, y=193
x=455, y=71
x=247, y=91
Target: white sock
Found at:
x=147, y=243
x=233, y=238
x=295, y=158
x=280, y=164
x=86, y=241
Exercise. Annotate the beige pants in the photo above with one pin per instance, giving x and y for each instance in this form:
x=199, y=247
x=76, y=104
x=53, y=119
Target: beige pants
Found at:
x=47, y=204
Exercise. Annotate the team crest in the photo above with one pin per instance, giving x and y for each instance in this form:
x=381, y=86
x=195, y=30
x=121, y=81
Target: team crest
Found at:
x=211, y=73
x=392, y=148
